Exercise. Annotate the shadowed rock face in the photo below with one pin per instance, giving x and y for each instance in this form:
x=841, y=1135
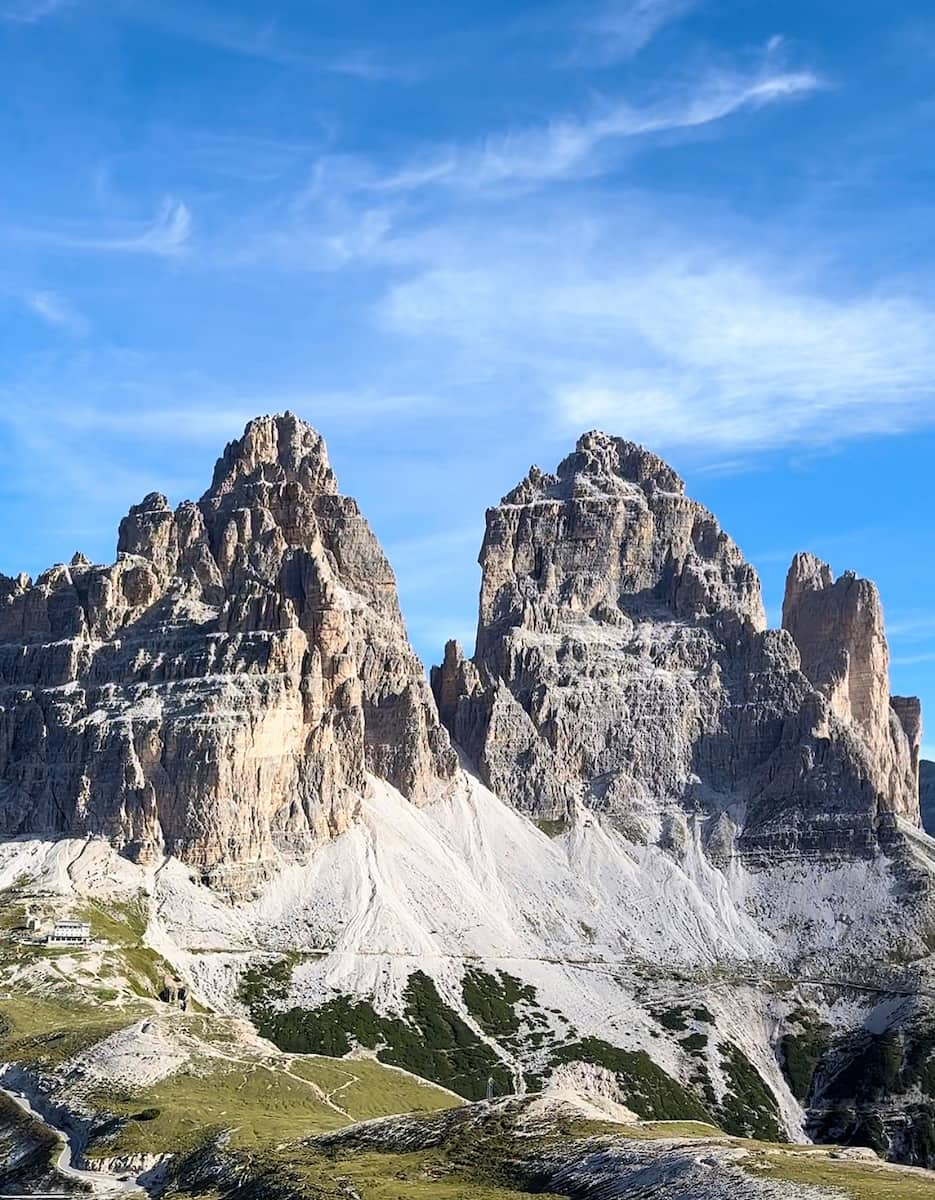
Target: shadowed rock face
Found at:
x=623, y=662
x=927, y=795
x=220, y=691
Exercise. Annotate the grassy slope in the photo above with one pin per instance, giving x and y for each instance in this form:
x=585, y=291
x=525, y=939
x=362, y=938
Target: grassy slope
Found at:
x=43, y=1031
x=262, y=1104
x=257, y=1104
x=859, y=1181
x=486, y=1157
x=55, y=1003
x=419, y=1175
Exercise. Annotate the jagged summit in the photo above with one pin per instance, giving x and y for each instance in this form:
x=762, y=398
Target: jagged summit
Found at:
x=280, y=448
x=611, y=531
x=221, y=690
x=599, y=463
x=623, y=662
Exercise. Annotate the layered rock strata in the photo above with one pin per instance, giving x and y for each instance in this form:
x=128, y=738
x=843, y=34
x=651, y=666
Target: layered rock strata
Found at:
x=623, y=663
x=838, y=628
x=219, y=692
x=927, y=795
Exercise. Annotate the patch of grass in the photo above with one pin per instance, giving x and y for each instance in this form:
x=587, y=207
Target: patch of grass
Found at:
x=42, y=1031
x=681, y=1129
x=366, y=1089
x=799, y=1056
x=301, y=1173
x=492, y=999
x=749, y=1108
x=647, y=1089
x=429, y=1039
x=646, y=1131
x=552, y=828
x=859, y=1181
x=122, y=924
x=673, y=1019
x=259, y=1106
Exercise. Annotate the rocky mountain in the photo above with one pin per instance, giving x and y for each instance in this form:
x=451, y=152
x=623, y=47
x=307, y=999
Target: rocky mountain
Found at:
x=221, y=690
x=927, y=795
x=638, y=837
x=623, y=663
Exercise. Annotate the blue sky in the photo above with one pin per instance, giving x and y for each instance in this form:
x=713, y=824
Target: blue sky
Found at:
x=455, y=236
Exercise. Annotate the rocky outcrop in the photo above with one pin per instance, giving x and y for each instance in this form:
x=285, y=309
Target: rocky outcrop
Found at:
x=220, y=691
x=927, y=795
x=837, y=626
x=623, y=663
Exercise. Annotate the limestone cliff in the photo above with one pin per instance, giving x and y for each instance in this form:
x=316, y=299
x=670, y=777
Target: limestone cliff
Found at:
x=838, y=629
x=218, y=692
x=927, y=795
x=623, y=663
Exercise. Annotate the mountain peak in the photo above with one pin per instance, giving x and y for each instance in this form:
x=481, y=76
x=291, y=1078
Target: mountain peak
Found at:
x=231, y=679
x=279, y=448
x=604, y=455
x=601, y=465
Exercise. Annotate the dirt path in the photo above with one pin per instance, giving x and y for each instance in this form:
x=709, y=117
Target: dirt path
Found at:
x=102, y=1183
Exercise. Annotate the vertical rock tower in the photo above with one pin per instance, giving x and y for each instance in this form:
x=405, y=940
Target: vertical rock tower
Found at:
x=838, y=628
x=623, y=663
x=221, y=691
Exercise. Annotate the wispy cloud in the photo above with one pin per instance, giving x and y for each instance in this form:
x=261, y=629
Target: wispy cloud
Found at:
x=126, y=401
x=56, y=311
x=575, y=146
x=746, y=359
x=29, y=12
x=619, y=30
x=165, y=235
x=628, y=324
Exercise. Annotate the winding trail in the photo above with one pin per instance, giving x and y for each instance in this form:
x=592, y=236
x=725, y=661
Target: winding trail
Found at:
x=102, y=1183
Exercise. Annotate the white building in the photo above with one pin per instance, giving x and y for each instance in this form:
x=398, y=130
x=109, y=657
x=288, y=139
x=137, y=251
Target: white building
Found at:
x=70, y=933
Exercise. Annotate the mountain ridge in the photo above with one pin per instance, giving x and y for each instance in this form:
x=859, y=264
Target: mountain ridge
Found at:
x=677, y=846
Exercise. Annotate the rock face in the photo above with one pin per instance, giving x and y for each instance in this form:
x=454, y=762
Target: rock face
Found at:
x=927, y=795
x=221, y=690
x=838, y=629
x=623, y=663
